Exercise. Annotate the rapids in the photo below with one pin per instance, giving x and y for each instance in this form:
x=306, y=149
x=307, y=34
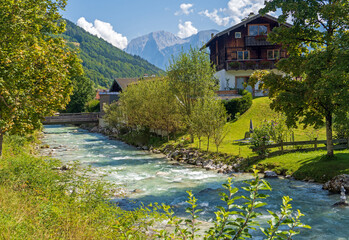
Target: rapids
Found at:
x=151, y=178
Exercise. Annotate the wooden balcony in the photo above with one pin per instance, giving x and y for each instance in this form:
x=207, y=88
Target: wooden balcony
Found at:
x=255, y=41
x=252, y=64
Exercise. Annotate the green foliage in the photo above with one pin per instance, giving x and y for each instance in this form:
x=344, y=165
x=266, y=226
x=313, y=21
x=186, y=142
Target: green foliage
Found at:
x=190, y=78
x=238, y=105
x=261, y=137
x=341, y=126
x=103, y=62
x=234, y=65
x=38, y=201
x=237, y=220
x=151, y=104
x=83, y=92
x=36, y=66
x=315, y=85
x=114, y=116
x=271, y=131
x=208, y=118
x=92, y=106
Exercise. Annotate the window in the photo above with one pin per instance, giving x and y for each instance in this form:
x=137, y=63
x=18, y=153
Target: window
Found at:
x=255, y=30
x=243, y=55
x=237, y=34
x=273, y=54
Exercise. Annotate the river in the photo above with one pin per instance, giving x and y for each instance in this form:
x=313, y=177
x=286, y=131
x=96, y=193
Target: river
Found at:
x=151, y=178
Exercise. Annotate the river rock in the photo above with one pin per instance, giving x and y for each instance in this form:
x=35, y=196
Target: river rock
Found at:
x=191, y=161
x=334, y=185
x=207, y=163
x=270, y=174
x=137, y=191
x=198, y=163
x=341, y=204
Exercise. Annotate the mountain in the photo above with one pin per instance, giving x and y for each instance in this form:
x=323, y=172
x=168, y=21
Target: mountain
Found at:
x=102, y=62
x=158, y=47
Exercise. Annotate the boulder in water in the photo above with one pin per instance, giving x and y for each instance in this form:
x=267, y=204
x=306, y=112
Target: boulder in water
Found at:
x=270, y=174
x=137, y=191
x=334, y=185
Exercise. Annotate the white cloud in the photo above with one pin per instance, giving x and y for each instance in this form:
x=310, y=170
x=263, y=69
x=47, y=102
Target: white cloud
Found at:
x=105, y=31
x=221, y=21
x=239, y=9
x=185, y=9
x=235, y=11
x=186, y=30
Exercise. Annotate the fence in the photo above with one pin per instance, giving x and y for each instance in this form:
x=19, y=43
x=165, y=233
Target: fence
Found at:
x=341, y=144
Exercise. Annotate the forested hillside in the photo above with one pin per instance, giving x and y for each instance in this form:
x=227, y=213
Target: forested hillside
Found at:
x=103, y=62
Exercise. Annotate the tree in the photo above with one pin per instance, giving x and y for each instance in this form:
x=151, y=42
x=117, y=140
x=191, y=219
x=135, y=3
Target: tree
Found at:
x=255, y=77
x=190, y=77
x=83, y=92
x=151, y=104
x=208, y=118
x=315, y=85
x=36, y=66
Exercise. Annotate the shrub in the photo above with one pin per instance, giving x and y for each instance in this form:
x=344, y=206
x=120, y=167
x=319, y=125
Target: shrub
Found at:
x=265, y=64
x=234, y=65
x=250, y=64
x=92, y=106
x=238, y=105
x=235, y=220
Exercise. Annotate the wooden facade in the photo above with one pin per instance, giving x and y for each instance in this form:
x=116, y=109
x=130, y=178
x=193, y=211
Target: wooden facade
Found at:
x=244, y=46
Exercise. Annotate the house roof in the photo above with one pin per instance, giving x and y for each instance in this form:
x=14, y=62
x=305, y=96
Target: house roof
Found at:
x=122, y=83
x=250, y=19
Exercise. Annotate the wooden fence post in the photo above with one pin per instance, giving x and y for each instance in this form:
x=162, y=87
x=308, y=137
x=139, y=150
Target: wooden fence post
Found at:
x=315, y=144
x=282, y=146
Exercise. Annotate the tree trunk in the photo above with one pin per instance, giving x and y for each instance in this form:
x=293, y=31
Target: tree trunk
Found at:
x=329, y=135
x=1, y=138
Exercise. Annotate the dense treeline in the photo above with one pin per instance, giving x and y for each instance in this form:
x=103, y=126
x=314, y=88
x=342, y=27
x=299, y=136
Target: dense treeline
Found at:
x=103, y=62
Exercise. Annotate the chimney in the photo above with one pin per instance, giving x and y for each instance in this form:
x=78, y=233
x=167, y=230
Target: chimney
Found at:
x=212, y=35
x=251, y=14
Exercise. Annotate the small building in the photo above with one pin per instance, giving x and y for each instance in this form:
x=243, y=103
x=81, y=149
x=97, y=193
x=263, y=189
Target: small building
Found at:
x=118, y=85
x=241, y=49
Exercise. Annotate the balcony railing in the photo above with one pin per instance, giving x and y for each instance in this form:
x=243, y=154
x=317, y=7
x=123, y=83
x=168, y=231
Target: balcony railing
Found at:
x=252, y=64
x=259, y=40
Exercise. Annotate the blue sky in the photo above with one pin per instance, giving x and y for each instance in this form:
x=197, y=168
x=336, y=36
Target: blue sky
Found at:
x=119, y=21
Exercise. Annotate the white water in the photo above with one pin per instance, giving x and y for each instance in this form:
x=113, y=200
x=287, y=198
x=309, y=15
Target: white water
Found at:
x=156, y=180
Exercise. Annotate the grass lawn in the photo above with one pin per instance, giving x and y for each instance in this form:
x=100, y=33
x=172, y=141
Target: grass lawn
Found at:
x=258, y=112
x=309, y=165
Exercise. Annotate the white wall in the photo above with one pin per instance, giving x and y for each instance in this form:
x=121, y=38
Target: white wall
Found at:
x=223, y=75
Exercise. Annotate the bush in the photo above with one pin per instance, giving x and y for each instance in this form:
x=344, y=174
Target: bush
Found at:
x=234, y=65
x=238, y=105
x=92, y=106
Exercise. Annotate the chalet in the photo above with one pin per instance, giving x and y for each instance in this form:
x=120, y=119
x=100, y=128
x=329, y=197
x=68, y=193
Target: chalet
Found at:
x=239, y=50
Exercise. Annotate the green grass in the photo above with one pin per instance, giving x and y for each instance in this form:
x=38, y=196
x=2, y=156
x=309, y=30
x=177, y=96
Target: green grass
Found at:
x=309, y=165
x=39, y=202
x=258, y=112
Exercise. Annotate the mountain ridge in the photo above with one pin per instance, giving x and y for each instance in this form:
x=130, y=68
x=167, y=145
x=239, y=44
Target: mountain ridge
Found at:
x=158, y=47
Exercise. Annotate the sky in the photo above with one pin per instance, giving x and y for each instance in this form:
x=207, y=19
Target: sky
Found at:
x=120, y=21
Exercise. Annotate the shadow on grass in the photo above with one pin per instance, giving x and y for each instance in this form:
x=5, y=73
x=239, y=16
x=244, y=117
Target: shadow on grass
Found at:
x=321, y=168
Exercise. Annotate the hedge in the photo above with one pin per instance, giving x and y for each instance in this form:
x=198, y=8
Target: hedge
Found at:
x=238, y=105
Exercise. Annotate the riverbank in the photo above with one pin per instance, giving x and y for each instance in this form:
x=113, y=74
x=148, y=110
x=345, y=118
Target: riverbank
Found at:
x=41, y=200
x=304, y=166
